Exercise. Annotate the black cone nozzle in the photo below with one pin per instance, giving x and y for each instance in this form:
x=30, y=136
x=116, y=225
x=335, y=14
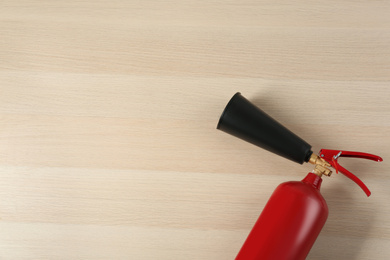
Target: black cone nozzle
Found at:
x=246, y=121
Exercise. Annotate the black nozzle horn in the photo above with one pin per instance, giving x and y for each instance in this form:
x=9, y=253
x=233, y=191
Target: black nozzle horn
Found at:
x=246, y=121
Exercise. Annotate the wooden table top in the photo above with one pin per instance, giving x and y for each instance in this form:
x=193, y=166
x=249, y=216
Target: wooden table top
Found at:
x=108, y=113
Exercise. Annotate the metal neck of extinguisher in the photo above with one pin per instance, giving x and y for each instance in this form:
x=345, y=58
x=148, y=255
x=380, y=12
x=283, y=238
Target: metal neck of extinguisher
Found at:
x=329, y=158
x=321, y=166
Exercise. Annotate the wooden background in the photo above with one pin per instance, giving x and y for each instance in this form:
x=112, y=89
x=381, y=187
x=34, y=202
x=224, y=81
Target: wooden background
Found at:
x=108, y=109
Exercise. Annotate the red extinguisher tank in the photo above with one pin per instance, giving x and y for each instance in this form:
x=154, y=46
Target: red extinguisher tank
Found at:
x=289, y=224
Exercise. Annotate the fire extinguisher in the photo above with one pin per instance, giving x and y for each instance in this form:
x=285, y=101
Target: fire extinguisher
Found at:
x=296, y=212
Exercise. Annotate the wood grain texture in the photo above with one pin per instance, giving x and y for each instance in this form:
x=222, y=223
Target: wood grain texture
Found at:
x=108, y=109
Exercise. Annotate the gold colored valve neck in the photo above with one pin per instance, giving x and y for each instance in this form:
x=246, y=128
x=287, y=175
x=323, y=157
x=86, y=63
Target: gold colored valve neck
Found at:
x=321, y=166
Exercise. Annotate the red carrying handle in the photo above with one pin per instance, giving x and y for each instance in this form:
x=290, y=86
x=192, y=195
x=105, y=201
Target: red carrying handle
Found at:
x=331, y=156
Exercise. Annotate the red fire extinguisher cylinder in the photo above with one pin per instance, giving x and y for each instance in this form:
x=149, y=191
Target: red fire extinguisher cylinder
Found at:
x=289, y=224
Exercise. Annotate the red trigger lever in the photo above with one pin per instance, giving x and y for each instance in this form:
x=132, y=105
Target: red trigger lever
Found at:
x=331, y=156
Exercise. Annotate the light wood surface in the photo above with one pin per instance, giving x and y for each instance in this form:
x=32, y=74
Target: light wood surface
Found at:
x=108, y=109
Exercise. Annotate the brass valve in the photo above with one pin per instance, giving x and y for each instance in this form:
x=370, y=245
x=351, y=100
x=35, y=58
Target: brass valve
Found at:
x=321, y=166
